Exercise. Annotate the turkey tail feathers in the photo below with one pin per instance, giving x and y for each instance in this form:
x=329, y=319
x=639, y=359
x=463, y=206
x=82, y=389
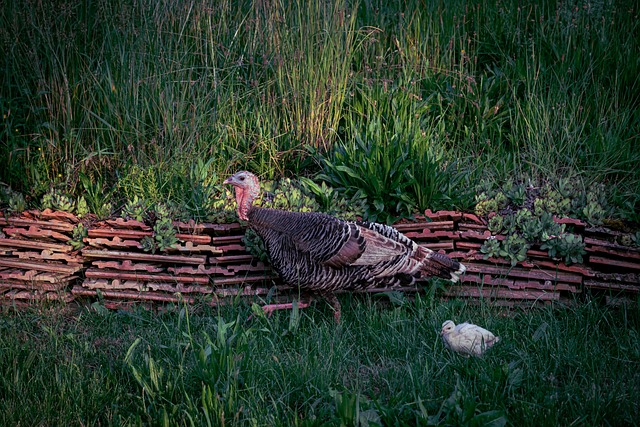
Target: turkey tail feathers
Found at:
x=440, y=265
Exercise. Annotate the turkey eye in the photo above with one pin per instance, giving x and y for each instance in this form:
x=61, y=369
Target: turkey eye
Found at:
x=242, y=178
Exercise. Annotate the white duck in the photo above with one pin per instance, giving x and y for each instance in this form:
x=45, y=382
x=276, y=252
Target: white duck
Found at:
x=467, y=338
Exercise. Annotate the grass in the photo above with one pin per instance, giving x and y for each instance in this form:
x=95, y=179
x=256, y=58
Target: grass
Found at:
x=529, y=91
x=383, y=364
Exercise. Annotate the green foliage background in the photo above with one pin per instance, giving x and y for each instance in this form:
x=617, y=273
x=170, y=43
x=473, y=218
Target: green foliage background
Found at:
x=462, y=90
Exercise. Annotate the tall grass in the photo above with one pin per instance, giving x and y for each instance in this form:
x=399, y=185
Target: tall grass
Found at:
x=509, y=88
x=383, y=364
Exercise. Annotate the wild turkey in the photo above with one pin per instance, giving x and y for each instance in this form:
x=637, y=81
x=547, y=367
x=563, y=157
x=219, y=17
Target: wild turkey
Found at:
x=466, y=338
x=323, y=254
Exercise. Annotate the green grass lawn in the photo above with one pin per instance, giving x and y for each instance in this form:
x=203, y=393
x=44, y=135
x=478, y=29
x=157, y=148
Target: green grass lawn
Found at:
x=385, y=363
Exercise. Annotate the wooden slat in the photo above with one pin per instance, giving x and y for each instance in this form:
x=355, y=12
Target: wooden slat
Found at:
x=434, y=246
x=515, y=284
x=38, y=296
x=120, y=233
x=48, y=225
x=474, y=292
x=526, y=273
x=16, y=284
x=50, y=256
x=116, y=242
x=191, y=247
x=230, y=259
x=141, y=277
x=222, y=240
x=34, y=276
x=127, y=224
x=35, y=244
x=194, y=238
x=618, y=252
x=616, y=286
x=614, y=263
x=422, y=226
x=177, y=259
x=591, y=242
x=40, y=266
x=229, y=270
x=127, y=265
x=36, y=233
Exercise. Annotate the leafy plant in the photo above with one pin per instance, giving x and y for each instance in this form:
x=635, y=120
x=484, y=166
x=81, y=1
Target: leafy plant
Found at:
x=567, y=246
x=630, y=239
x=514, y=248
x=350, y=409
x=78, y=234
x=495, y=224
x=255, y=245
x=222, y=206
x=491, y=248
x=334, y=203
x=378, y=169
x=96, y=196
x=13, y=199
x=486, y=204
x=286, y=194
x=82, y=209
x=516, y=193
x=136, y=209
x=58, y=201
x=164, y=233
x=201, y=188
x=594, y=213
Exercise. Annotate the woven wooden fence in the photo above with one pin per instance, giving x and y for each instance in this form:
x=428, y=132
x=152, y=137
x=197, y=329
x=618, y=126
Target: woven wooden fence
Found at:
x=210, y=263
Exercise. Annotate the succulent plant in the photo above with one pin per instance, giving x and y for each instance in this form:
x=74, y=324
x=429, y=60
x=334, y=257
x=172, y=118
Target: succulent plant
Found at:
x=517, y=194
x=287, y=194
x=532, y=230
x=164, y=234
x=78, y=234
x=64, y=203
x=57, y=201
x=567, y=246
x=514, y=248
x=148, y=244
x=509, y=225
x=594, y=213
x=254, y=244
x=17, y=202
x=495, y=224
x=82, y=209
x=626, y=240
x=104, y=210
x=135, y=209
x=490, y=248
x=485, y=205
x=566, y=187
x=222, y=206
x=501, y=200
x=523, y=216
x=333, y=202
x=539, y=207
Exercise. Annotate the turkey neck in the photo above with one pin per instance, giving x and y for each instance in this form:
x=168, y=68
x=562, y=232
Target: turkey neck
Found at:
x=244, y=199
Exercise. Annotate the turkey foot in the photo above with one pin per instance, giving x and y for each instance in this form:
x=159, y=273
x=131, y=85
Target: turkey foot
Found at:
x=335, y=304
x=270, y=308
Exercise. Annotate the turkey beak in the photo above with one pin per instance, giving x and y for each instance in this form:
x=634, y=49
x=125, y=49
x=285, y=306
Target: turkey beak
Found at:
x=228, y=180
